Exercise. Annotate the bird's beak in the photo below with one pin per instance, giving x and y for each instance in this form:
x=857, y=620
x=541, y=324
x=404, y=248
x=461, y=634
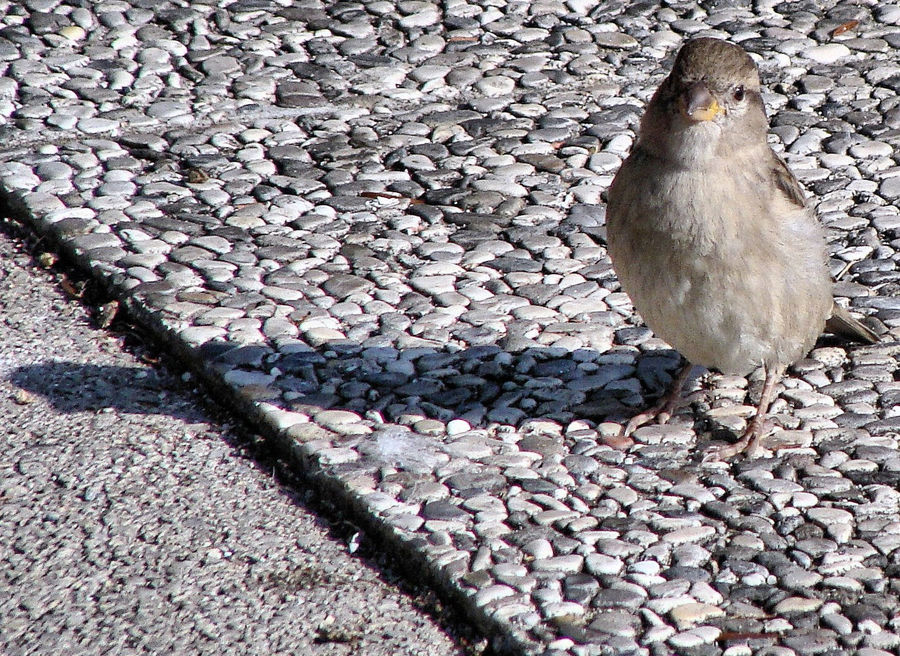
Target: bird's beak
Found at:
x=698, y=104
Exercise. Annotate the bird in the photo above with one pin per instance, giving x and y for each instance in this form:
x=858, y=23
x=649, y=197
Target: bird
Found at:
x=711, y=237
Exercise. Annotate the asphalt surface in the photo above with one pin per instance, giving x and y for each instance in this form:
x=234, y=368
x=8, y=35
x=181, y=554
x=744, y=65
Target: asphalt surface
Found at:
x=138, y=518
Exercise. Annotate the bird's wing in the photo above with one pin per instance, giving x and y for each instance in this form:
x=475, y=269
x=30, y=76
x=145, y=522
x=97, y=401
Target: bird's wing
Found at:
x=786, y=181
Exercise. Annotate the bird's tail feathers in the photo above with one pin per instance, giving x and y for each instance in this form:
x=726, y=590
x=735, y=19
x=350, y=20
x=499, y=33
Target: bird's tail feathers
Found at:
x=843, y=324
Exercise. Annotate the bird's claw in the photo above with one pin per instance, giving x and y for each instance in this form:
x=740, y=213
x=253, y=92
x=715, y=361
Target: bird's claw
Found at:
x=724, y=452
x=621, y=441
x=748, y=446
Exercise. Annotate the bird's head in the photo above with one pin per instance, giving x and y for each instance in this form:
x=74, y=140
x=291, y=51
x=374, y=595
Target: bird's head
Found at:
x=711, y=96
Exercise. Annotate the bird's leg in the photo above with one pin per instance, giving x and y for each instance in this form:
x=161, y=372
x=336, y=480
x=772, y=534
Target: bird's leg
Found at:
x=749, y=442
x=663, y=409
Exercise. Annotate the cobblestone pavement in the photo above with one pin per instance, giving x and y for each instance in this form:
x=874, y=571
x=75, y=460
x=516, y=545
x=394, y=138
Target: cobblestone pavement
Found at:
x=377, y=229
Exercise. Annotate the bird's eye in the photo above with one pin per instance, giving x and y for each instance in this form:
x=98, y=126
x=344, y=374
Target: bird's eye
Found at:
x=739, y=92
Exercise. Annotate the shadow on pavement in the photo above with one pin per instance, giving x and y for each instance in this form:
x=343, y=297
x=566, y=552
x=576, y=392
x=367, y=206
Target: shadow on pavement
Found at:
x=481, y=385
x=79, y=387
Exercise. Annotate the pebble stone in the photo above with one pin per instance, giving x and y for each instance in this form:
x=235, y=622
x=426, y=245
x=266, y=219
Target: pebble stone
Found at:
x=380, y=228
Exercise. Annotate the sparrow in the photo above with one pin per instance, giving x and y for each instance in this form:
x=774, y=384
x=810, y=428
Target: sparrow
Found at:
x=711, y=237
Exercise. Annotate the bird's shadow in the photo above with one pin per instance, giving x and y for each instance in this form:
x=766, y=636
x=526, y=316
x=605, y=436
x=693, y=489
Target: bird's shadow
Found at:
x=74, y=387
x=482, y=385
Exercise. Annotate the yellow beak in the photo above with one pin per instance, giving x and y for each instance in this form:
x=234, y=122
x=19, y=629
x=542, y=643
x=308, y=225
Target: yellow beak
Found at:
x=698, y=104
x=707, y=113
